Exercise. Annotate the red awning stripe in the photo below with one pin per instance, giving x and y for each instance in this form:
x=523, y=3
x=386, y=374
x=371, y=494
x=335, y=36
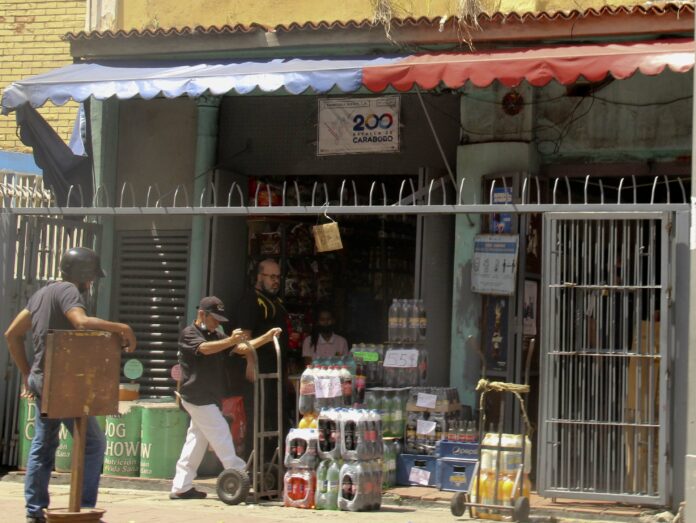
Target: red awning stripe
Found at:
x=538, y=66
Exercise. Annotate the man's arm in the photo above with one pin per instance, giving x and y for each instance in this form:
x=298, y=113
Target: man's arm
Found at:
x=14, y=335
x=80, y=321
x=213, y=347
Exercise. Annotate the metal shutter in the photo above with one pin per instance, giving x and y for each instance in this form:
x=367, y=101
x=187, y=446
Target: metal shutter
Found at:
x=150, y=296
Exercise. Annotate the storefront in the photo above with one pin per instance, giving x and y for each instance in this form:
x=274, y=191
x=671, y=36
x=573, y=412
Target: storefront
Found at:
x=409, y=220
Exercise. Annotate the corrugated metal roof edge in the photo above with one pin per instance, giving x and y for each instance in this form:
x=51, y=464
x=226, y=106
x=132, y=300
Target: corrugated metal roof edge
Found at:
x=674, y=8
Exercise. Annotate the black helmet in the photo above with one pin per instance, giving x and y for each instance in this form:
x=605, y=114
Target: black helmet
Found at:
x=80, y=265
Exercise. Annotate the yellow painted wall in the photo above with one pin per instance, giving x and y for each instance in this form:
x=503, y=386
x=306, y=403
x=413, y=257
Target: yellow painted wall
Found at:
x=140, y=14
x=30, y=40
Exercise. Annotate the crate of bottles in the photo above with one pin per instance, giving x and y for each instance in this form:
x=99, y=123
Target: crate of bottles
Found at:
x=433, y=399
x=455, y=474
x=416, y=469
x=456, y=450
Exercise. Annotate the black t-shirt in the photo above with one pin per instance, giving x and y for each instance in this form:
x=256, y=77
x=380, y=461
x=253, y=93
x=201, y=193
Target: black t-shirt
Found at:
x=48, y=307
x=259, y=313
x=203, y=378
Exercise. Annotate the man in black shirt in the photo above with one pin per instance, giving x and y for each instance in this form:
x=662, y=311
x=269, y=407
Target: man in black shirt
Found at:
x=259, y=309
x=59, y=306
x=203, y=356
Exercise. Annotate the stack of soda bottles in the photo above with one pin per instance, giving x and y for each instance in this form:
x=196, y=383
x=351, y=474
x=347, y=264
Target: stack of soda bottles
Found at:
x=301, y=460
x=431, y=412
x=349, y=476
x=368, y=358
x=391, y=405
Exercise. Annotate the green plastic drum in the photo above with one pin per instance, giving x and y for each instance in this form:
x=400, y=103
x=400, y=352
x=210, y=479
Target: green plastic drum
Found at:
x=65, y=443
x=163, y=433
x=122, y=456
x=26, y=427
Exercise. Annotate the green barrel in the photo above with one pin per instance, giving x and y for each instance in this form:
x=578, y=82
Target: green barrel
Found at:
x=64, y=450
x=65, y=443
x=122, y=456
x=27, y=425
x=163, y=433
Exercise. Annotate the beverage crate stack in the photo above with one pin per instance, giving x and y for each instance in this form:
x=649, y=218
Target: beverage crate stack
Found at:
x=334, y=459
x=433, y=415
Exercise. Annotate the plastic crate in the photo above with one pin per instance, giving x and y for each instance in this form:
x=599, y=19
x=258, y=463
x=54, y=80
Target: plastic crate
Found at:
x=454, y=449
x=455, y=474
x=425, y=475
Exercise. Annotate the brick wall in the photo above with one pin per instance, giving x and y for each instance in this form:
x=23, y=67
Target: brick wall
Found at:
x=31, y=43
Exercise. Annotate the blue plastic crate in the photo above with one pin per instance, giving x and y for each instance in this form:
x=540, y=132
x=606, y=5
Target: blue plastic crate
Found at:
x=406, y=462
x=454, y=449
x=455, y=474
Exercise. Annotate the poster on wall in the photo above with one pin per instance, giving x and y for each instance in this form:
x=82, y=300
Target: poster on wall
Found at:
x=501, y=223
x=496, y=322
x=358, y=125
x=494, y=264
x=529, y=308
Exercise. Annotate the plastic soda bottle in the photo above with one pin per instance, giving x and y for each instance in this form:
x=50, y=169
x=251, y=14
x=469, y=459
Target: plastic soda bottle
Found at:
x=306, y=403
x=333, y=485
x=393, y=319
x=321, y=497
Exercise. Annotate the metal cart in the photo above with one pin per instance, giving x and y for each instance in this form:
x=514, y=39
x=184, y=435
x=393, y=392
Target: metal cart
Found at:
x=519, y=506
x=266, y=480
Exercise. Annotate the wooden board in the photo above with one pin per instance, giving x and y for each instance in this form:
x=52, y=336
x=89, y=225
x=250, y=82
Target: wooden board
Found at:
x=81, y=374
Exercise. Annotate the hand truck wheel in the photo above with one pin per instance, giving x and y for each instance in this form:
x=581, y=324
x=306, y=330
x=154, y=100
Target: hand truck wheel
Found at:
x=233, y=486
x=520, y=511
x=458, y=504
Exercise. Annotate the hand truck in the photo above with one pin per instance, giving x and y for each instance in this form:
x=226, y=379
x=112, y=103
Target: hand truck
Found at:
x=266, y=478
x=518, y=506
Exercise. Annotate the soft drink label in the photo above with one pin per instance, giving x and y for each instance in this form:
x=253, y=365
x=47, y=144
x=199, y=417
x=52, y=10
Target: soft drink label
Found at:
x=367, y=356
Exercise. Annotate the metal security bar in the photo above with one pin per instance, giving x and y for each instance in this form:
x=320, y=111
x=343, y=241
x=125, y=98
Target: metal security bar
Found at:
x=605, y=398
x=291, y=198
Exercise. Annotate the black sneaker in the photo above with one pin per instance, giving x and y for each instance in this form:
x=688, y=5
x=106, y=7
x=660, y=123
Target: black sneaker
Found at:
x=191, y=493
x=36, y=519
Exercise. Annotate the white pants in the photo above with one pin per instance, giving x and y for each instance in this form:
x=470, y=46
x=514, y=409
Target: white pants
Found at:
x=207, y=425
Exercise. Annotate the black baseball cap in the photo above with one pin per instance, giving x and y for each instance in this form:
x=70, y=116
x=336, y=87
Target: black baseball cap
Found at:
x=213, y=306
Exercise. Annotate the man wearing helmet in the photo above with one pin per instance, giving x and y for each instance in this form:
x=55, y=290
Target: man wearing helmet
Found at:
x=59, y=306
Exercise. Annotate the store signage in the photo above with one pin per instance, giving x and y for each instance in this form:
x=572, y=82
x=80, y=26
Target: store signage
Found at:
x=327, y=387
x=494, y=265
x=401, y=358
x=358, y=125
x=425, y=427
x=425, y=400
x=419, y=476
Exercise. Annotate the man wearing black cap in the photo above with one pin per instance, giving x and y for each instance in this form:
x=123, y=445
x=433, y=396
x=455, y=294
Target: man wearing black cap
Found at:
x=203, y=356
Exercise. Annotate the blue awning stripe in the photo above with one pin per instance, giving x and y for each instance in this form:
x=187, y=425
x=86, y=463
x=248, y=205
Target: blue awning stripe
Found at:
x=148, y=80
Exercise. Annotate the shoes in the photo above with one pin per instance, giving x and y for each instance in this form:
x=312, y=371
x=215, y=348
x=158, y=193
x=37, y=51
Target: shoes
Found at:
x=191, y=493
x=36, y=519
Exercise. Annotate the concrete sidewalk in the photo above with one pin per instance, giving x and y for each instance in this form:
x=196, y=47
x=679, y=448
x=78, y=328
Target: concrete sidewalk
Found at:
x=139, y=500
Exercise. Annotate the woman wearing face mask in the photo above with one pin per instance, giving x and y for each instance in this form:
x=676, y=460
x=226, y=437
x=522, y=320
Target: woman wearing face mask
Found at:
x=323, y=342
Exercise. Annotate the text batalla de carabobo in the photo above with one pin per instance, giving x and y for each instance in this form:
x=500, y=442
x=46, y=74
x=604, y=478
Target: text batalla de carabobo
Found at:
x=375, y=139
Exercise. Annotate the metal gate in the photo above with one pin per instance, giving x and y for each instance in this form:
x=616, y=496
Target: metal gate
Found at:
x=605, y=365
x=33, y=246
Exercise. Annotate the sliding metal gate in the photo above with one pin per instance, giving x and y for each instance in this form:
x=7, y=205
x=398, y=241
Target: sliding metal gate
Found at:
x=33, y=246
x=605, y=365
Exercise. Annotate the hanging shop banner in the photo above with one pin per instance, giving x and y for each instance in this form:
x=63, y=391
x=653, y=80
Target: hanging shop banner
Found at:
x=494, y=265
x=358, y=125
x=496, y=335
